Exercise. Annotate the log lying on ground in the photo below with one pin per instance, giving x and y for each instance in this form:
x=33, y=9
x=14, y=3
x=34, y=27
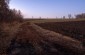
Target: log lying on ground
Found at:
x=64, y=41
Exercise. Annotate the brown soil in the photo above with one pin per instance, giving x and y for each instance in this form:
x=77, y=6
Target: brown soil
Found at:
x=34, y=40
x=74, y=29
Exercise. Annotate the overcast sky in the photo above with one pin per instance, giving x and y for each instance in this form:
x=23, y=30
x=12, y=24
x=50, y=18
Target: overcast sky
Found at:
x=48, y=8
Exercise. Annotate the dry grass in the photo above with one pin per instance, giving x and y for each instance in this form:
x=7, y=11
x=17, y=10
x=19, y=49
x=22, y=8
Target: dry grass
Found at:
x=39, y=38
x=58, y=38
x=52, y=20
x=7, y=32
x=41, y=41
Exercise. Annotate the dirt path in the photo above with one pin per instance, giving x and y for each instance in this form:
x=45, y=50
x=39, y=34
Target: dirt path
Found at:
x=57, y=38
x=34, y=40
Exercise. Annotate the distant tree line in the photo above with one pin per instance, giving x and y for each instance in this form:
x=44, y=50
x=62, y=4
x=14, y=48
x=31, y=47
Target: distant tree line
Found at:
x=78, y=16
x=7, y=14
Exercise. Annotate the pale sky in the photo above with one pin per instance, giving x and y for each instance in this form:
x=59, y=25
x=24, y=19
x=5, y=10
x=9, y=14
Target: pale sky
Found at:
x=48, y=8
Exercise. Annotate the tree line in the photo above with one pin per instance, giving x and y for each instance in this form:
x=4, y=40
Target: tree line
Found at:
x=78, y=16
x=7, y=14
x=82, y=15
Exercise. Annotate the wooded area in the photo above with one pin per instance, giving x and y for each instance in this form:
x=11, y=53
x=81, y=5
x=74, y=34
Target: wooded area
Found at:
x=7, y=14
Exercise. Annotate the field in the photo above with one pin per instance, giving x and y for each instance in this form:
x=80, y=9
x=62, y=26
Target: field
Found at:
x=51, y=20
x=74, y=29
x=43, y=37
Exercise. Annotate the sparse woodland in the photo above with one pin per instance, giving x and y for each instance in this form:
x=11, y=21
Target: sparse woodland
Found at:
x=7, y=14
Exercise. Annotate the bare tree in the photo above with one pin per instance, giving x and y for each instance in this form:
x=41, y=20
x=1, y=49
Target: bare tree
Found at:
x=64, y=17
x=16, y=15
x=40, y=17
x=7, y=14
x=69, y=15
x=4, y=9
x=7, y=1
x=32, y=17
x=80, y=15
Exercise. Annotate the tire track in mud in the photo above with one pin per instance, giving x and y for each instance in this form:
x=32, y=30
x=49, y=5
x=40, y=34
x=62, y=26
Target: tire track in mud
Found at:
x=43, y=42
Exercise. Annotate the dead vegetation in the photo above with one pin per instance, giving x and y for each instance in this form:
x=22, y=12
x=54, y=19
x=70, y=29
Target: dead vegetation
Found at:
x=73, y=29
x=34, y=40
x=30, y=39
x=7, y=32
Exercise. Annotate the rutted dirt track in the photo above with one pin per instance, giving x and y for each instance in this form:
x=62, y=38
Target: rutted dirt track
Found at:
x=31, y=39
